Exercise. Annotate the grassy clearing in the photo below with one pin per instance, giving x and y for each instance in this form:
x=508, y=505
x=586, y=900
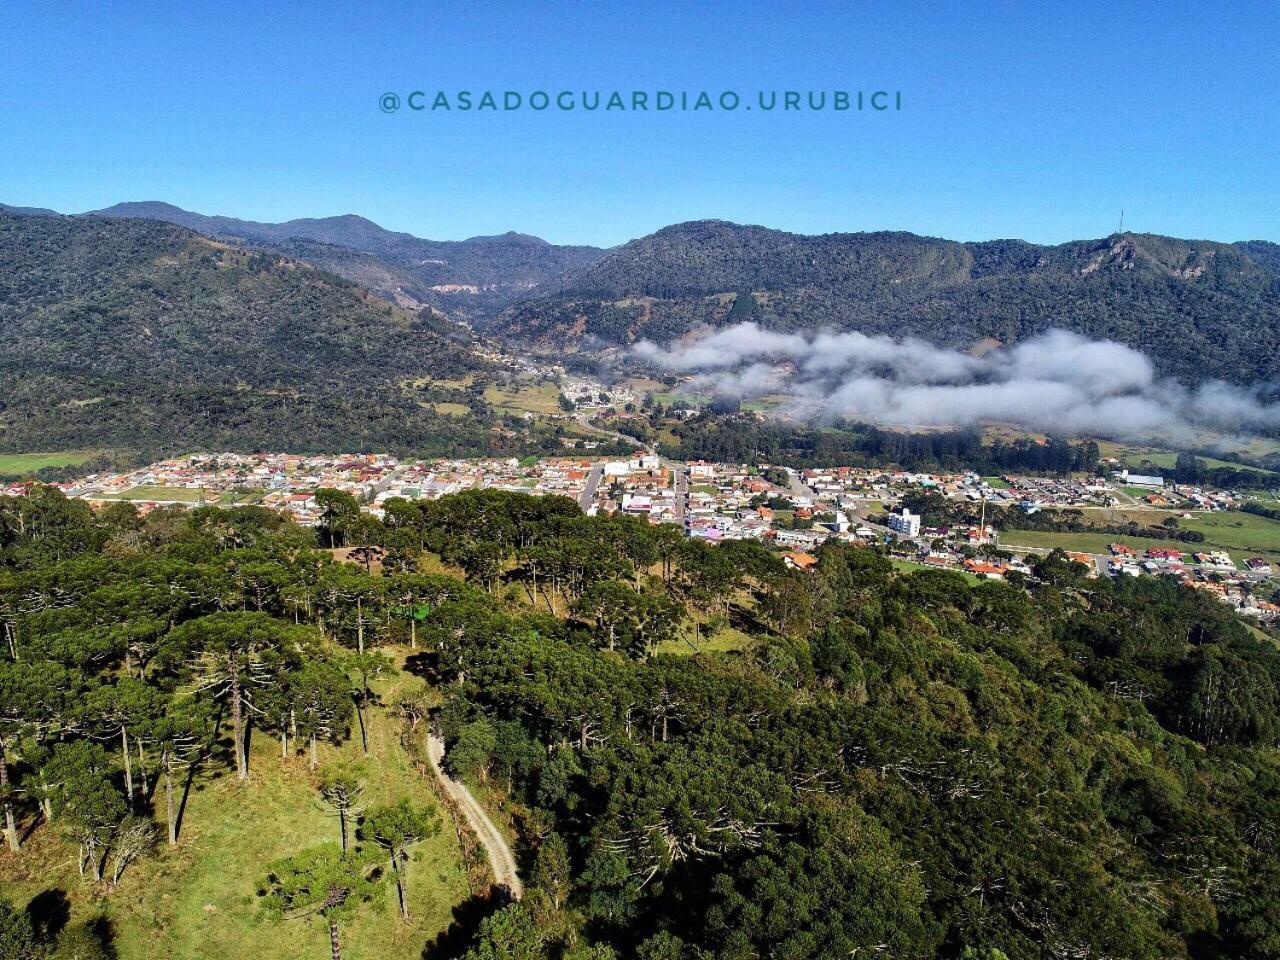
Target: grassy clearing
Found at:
x=152, y=491
x=447, y=408
x=996, y=483
x=460, y=383
x=198, y=900
x=1238, y=531
x=909, y=566
x=431, y=563
x=1240, y=534
x=1139, y=492
x=723, y=640
x=540, y=398
x=1084, y=542
x=684, y=399
x=766, y=404
x=641, y=385
x=24, y=463
x=1133, y=456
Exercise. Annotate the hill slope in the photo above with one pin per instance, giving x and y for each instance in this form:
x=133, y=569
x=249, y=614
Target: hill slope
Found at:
x=467, y=278
x=143, y=334
x=1196, y=307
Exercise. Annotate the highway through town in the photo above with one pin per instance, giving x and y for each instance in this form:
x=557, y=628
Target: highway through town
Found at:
x=681, y=473
x=588, y=495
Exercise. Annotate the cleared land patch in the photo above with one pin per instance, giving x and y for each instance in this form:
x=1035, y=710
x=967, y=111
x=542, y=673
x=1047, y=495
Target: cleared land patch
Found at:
x=1240, y=534
x=535, y=398
x=198, y=900
x=22, y=463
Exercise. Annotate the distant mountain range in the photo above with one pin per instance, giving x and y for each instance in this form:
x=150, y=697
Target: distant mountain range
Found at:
x=468, y=279
x=29, y=211
x=1197, y=308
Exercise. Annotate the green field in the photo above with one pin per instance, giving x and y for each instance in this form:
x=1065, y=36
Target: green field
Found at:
x=724, y=640
x=151, y=491
x=539, y=398
x=24, y=463
x=198, y=900
x=448, y=408
x=1240, y=534
x=1139, y=492
x=909, y=566
x=1133, y=457
x=1085, y=542
x=684, y=399
x=1167, y=460
x=1238, y=531
x=766, y=404
x=996, y=483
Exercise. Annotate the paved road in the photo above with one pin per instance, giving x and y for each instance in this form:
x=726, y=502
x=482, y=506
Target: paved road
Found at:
x=584, y=421
x=682, y=488
x=588, y=494
x=501, y=860
x=798, y=489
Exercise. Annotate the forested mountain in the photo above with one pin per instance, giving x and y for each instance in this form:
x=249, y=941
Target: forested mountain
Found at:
x=469, y=279
x=1197, y=308
x=876, y=763
x=130, y=333
x=28, y=211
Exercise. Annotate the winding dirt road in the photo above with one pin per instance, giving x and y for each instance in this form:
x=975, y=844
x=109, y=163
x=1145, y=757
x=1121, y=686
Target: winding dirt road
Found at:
x=501, y=859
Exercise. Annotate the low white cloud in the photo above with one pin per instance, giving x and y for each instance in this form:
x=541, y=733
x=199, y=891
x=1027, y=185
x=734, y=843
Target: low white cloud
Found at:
x=1057, y=382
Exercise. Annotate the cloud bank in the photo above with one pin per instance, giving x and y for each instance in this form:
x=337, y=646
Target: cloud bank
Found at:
x=1057, y=382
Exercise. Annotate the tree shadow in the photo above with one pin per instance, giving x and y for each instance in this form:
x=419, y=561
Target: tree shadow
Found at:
x=467, y=916
x=186, y=794
x=425, y=664
x=105, y=932
x=49, y=912
x=29, y=826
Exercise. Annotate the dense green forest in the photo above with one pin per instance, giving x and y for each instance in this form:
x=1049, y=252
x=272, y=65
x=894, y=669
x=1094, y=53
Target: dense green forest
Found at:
x=144, y=336
x=747, y=438
x=493, y=271
x=1198, y=309
x=880, y=763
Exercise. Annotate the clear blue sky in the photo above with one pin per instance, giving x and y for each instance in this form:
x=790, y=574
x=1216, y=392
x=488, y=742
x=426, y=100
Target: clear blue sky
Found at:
x=1021, y=119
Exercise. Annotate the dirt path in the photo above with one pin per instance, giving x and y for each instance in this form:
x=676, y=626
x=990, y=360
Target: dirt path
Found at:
x=501, y=860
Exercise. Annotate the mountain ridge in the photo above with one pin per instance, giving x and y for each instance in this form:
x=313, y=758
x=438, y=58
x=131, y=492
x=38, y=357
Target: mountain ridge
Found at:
x=1198, y=308
x=468, y=279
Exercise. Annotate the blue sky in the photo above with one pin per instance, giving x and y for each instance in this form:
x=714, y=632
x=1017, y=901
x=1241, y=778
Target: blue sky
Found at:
x=1032, y=119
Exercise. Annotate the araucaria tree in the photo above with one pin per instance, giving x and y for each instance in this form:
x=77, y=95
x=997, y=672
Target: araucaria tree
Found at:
x=325, y=882
x=340, y=788
x=395, y=828
x=323, y=703
x=233, y=656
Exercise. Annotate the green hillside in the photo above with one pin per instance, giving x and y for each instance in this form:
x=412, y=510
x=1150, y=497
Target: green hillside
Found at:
x=138, y=334
x=1197, y=308
x=469, y=278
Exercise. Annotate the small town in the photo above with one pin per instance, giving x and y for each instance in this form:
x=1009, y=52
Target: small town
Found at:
x=793, y=511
